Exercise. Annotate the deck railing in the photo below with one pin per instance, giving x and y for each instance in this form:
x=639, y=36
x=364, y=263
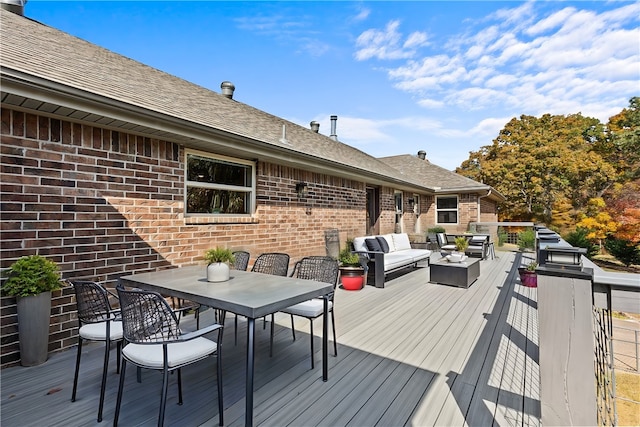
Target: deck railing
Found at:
x=575, y=303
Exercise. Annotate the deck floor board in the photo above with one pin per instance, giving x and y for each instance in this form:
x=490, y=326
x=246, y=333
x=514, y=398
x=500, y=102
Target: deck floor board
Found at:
x=413, y=353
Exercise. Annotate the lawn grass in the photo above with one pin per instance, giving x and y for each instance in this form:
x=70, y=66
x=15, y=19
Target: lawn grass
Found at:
x=628, y=387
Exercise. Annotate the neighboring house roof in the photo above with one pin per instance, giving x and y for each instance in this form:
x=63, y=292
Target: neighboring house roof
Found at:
x=438, y=179
x=61, y=75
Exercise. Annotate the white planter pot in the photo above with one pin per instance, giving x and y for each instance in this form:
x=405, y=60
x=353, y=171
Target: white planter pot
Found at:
x=218, y=272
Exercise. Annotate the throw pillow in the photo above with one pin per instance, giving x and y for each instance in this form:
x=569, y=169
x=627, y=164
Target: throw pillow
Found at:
x=383, y=244
x=373, y=245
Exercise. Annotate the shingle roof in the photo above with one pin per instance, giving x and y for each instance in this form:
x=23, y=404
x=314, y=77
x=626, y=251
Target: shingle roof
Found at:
x=56, y=57
x=439, y=179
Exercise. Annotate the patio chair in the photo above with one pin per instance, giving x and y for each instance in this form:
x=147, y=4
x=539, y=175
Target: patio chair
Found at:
x=154, y=341
x=445, y=245
x=97, y=321
x=478, y=244
x=274, y=263
x=321, y=269
x=241, y=262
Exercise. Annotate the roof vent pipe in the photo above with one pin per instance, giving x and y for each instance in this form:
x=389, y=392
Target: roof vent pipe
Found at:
x=15, y=6
x=422, y=155
x=227, y=89
x=334, y=135
x=315, y=126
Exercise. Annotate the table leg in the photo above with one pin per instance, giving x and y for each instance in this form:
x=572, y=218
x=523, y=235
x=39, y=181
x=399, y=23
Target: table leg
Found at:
x=325, y=339
x=251, y=334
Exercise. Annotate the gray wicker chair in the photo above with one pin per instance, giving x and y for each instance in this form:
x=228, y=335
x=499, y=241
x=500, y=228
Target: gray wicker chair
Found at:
x=97, y=321
x=322, y=269
x=153, y=340
x=274, y=263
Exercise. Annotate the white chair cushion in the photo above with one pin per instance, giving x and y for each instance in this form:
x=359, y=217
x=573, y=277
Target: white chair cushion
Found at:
x=401, y=241
x=98, y=331
x=179, y=353
x=311, y=308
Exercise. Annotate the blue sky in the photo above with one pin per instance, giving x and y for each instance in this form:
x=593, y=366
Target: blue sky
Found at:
x=443, y=77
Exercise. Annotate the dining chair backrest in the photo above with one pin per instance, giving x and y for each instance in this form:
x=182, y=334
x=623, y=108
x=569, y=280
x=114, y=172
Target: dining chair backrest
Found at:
x=272, y=263
x=147, y=317
x=319, y=268
x=241, y=260
x=442, y=239
x=93, y=302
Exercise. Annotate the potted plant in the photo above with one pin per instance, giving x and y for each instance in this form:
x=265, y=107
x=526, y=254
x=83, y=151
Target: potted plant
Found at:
x=218, y=260
x=462, y=243
x=31, y=280
x=351, y=270
x=528, y=276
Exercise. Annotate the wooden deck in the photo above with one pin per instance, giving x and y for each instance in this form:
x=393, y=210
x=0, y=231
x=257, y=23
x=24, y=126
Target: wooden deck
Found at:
x=413, y=353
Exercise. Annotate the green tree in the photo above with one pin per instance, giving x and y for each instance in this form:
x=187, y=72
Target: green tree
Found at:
x=539, y=164
x=621, y=147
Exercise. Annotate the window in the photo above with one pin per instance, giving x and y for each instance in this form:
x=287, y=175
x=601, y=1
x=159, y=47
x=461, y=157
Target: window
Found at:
x=398, y=201
x=416, y=204
x=447, y=210
x=217, y=185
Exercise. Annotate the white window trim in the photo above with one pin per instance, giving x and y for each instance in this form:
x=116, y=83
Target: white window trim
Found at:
x=457, y=209
x=251, y=190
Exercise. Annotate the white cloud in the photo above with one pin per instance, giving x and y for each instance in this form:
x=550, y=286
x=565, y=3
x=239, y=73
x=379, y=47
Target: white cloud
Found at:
x=524, y=59
x=387, y=43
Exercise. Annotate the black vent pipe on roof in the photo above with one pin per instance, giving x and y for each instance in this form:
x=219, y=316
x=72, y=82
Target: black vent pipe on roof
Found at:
x=422, y=155
x=315, y=126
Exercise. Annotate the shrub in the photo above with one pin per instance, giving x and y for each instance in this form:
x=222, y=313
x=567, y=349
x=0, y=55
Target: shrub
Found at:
x=624, y=251
x=502, y=236
x=578, y=239
x=527, y=239
x=435, y=230
x=32, y=275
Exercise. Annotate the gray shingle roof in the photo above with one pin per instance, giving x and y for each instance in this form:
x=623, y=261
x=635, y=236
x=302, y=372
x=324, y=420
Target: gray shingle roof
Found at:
x=57, y=58
x=439, y=179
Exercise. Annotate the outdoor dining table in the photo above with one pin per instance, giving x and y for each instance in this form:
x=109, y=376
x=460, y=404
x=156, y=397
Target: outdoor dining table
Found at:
x=248, y=294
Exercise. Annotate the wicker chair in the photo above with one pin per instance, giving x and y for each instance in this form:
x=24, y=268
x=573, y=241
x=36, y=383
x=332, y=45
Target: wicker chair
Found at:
x=154, y=341
x=241, y=261
x=97, y=321
x=274, y=263
x=321, y=269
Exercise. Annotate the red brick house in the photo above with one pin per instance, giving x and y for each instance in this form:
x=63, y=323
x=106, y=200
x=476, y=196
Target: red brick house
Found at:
x=111, y=167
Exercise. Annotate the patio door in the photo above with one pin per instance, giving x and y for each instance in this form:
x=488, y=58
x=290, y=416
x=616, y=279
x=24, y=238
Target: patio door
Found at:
x=373, y=210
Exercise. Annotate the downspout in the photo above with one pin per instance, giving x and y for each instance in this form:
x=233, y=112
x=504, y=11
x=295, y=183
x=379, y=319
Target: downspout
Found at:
x=482, y=197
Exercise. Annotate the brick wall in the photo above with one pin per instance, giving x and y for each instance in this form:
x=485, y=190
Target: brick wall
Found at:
x=103, y=204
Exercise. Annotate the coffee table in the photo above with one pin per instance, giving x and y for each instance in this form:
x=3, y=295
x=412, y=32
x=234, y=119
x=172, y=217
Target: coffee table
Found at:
x=460, y=274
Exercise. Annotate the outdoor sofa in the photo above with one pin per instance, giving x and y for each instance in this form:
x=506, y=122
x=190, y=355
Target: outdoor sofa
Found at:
x=387, y=253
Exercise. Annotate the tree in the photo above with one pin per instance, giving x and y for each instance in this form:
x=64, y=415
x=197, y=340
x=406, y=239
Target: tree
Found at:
x=597, y=221
x=621, y=147
x=623, y=205
x=542, y=164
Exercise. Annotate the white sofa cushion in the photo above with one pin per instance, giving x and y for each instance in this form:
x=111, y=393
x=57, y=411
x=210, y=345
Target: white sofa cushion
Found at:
x=401, y=241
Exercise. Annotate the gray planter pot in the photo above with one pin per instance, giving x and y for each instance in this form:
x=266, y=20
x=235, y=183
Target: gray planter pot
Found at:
x=34, y=314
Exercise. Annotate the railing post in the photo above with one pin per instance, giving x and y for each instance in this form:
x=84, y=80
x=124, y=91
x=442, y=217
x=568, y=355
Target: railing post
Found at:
x=565, y=313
